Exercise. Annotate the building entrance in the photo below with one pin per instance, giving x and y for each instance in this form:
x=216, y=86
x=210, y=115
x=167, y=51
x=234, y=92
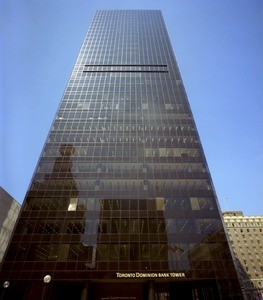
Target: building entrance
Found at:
x=123, y=291
x=198, y=290
x=118, y=298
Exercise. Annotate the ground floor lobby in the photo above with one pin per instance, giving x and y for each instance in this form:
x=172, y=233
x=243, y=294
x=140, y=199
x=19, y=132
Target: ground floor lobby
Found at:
x=116, y=290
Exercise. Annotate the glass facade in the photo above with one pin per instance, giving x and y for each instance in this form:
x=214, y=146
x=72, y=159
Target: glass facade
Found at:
x=121, y=204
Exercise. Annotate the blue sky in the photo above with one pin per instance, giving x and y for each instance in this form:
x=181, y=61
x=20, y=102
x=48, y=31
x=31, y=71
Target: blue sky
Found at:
x=219, y=49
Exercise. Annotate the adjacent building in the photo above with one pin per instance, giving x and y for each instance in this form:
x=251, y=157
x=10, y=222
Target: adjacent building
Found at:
x=122, y=205
x=246, y=238
x=9, y=210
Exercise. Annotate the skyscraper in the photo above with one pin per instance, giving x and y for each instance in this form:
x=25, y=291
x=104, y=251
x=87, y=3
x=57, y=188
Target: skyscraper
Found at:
x=245, y=234
x=121, y=205
x=9, y=210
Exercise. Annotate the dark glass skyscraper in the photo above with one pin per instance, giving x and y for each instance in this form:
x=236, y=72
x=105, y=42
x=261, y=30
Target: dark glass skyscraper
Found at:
x=121, y=205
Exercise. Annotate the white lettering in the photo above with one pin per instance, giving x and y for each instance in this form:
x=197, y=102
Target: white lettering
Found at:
x=149, y=275
x=146, y=275
x=125, y=275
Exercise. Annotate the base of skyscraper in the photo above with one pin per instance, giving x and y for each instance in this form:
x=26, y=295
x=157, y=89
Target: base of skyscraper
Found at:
x=119, y=290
